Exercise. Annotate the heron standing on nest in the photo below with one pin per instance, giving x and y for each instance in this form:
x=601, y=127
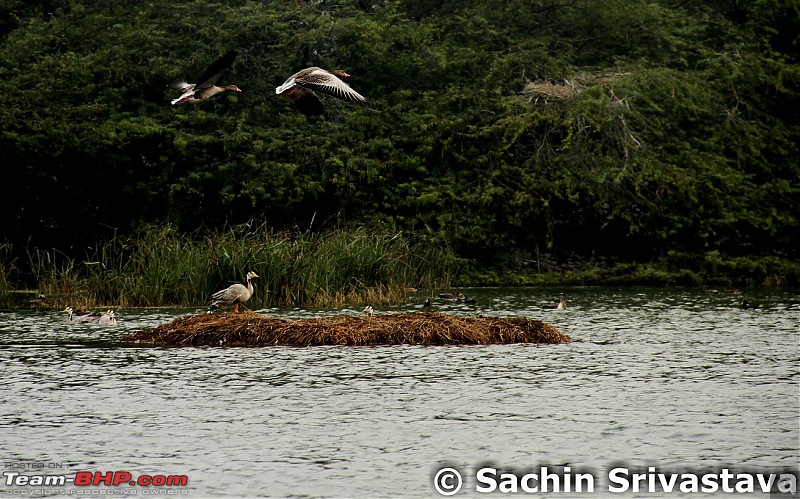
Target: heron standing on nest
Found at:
x=235, y=294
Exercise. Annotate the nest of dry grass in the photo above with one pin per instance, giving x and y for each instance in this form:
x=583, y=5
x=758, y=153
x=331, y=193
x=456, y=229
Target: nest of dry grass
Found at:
x=542, y=89
x=546, y=90
x=251, y=329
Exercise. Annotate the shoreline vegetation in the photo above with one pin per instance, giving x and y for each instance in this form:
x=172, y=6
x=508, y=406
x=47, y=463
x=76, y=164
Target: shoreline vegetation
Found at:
x=158, y=266
x=515, y=143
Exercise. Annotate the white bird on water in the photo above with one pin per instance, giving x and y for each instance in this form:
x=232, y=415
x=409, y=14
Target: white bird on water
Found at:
x=78, y=317
x=108, y=319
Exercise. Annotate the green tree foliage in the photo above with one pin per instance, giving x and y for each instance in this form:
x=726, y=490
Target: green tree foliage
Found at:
x=506, y=130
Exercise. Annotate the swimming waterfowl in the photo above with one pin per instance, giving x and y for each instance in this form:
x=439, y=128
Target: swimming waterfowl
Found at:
x=300, y=88
x=108, y=319
x=561, y=305
x=427, y=303
x=234, y=294
x=368, y=310
x=80, y=317
x=746, y=305
x=451, y=296
x=199, y=92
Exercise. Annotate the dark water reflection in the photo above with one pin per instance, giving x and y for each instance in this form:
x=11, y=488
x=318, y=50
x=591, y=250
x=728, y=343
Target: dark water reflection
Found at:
x=678, y=379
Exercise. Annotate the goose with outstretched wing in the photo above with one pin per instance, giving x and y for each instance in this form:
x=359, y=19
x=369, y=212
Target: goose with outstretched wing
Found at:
x=206, y=88
x=301, y=88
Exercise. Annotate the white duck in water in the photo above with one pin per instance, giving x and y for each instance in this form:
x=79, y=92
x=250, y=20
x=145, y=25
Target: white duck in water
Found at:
x=108, y=319
x=368, y=310
x=80, y=317
x=300, y=88
x=199, y=92
x=235, y=294
x=561, y=305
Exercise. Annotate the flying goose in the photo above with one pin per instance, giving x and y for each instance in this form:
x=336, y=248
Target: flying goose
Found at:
x=300, y=88
x=234, y=294
x=199, y=92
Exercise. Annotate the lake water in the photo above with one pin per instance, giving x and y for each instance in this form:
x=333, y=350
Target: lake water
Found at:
x=680, y=380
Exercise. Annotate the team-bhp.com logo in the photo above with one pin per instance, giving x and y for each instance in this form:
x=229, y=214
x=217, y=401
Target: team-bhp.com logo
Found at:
x=94, y=478
x=114, y=478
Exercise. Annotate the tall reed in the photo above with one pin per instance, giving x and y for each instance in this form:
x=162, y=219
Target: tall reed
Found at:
x=159, y=266
x=6, y=267
x=57, y=274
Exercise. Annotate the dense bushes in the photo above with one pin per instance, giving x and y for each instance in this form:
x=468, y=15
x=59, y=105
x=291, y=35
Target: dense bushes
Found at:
x=673, y=132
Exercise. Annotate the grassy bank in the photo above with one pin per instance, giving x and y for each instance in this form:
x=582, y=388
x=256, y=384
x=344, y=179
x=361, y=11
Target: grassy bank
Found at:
x=159, y=266
x=676, y=269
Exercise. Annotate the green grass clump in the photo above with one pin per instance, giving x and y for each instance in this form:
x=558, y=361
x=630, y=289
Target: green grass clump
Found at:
x=6, y=269
x=159, y=266
x=6, y=265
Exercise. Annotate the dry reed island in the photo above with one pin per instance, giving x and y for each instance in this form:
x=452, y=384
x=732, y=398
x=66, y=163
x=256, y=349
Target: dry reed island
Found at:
x=426, y=328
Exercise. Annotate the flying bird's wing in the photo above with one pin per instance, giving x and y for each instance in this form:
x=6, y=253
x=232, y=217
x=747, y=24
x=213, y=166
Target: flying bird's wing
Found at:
x=216, y=68
x=324, y=82
x=306, y=101
x=182, y=86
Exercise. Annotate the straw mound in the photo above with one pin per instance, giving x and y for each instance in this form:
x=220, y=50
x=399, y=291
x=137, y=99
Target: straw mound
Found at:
x=545, y=89
x=251, y=329
x=548, y=90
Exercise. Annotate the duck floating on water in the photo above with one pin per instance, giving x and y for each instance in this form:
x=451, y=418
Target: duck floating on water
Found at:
x=108, y=319
x=199, y=92
x=368, y=310
x=301, y=87
x=81, y=317
x=746, y=305
x=234, y=294
x=453, y=298
x=561, y=305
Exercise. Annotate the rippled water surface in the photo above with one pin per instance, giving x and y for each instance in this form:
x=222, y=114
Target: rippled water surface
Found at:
x=678, y=379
